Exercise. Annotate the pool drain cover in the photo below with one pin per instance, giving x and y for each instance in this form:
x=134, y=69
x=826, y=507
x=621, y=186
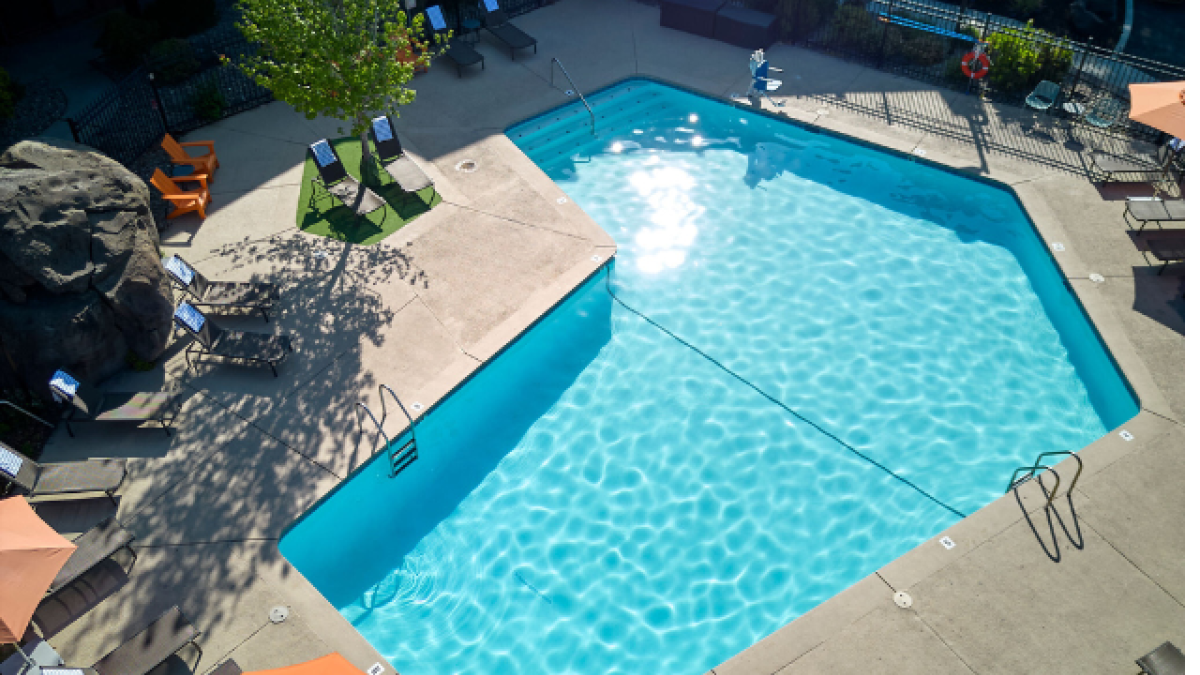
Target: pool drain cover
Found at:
x=903, y=600
x=467, y=166
x=279, y=614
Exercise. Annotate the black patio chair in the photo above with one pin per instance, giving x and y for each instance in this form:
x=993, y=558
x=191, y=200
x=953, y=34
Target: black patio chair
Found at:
x=66, y=478
x=339, y=184
x=496, y=22
x=205, y=293
x=1153, y=210
x=85, y=403
x=461, y=52
x=390, y=156
x=145, y=651
x=212, y=340
x=91, y=548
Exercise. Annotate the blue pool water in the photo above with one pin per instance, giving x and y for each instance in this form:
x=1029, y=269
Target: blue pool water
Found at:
x=807, y=358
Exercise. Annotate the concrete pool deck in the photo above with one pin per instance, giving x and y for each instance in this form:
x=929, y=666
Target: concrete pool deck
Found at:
x=423, y=309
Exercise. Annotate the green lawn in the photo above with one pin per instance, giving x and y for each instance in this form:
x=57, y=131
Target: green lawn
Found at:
x=328, y=218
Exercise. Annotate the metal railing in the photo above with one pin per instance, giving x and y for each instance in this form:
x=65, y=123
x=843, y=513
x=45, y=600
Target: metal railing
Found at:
x=1030, y=471
x=574, y=90
x=402, y=455
x=22, y=410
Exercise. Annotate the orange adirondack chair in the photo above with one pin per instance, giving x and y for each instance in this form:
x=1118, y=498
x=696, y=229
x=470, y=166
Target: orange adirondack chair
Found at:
x=206, y=163
x=184, y=201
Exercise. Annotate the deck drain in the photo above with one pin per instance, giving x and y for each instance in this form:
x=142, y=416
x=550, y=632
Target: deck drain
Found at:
x=1058, y=246
x=947, y=543
x=278, y=614
x=903, y=600
x=569, y=92
x=1098, y=278
x=467, y=166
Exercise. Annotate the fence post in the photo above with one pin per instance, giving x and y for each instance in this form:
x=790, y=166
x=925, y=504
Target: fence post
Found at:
x=883, y=41
x=162, y=114
x=987, y=27
x=1087, y=51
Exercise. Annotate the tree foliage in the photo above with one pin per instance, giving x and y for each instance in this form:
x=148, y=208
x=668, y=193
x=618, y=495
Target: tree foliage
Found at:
x=345, y=59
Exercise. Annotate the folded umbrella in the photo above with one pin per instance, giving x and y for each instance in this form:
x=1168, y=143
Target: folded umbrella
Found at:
x=31, y=554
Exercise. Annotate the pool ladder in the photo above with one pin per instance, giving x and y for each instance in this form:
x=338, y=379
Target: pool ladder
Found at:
x=1023, y=475
x=575, y=91
x=400, y=456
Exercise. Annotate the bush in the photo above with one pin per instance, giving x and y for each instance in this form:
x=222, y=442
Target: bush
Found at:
x=173, y=61
x=856, y=29
x=1023, y=58
x=10, y=93
x=920, y=48
x=208, y=102
x=181, y=18
x=125, y=38
x=799, y=18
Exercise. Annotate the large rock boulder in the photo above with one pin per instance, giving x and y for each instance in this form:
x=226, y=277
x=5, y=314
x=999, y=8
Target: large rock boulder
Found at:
x=81, y=281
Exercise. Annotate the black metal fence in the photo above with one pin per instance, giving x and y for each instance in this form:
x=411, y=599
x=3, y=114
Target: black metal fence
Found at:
x=930, y=42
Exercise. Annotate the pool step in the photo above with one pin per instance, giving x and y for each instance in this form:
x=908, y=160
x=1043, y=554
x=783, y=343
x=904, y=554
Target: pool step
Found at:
x=573, y=122
x=399, y=458
x=611, y=123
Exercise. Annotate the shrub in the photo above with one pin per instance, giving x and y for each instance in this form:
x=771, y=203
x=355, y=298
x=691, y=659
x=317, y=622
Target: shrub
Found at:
x=208, y=102
x=173, y=61
x=1025, y=57
x=856, y=29
x=125, y=38
x=10, y=93
x=922, y=49
x=180, y=18
x=799, y=18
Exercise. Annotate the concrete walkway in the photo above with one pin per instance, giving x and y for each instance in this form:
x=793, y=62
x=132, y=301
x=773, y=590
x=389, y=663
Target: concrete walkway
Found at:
x=423, y=309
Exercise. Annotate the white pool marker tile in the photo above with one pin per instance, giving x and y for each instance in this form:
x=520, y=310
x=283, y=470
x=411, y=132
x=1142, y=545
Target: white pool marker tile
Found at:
x=902, y=599
x=822, y=111
x=278, y=614
x=596, y=258
x=562, y=200
x=375, y=669
x=1126, y=435
x=919, y=152
x=417, y=406
x=1097, y=278
x=1057, y=246
x=947, y=543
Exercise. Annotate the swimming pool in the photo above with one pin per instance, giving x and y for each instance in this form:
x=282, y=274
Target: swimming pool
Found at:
x=808, y=357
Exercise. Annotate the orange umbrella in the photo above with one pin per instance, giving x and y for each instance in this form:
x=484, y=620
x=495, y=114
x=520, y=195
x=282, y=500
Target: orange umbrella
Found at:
x=31, y=554
x=1159, y=105
x=330, y=664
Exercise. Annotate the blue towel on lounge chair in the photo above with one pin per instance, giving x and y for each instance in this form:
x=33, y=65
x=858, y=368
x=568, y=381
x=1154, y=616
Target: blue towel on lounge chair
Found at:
x=10, y=463
x=179, y=269
x=63, y=385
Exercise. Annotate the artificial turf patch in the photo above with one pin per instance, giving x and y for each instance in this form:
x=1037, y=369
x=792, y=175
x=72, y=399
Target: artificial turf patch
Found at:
x=329, y=218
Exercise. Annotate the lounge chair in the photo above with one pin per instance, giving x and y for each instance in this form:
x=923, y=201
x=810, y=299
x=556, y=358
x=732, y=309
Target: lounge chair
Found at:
x=184, y=201
x=206, y=163
x=205, y=293
x=338, y=183
x=1104, y=113
x=390, y=155
x=460, y=51
x=86, y=403
x=1108, y=168
x=1153, y=210
x=495, y=20
x=92, y=548
x=155, y=643
x=1166, y=659
x=1043, y=97
x=92, y=475
x=1167, y=250
x=227, y=667
x=212, y=340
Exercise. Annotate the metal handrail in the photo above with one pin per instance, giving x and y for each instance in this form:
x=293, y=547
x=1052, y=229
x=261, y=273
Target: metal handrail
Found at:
x=1014, y=483
x=412, y=426
x=576, y=89
x=1037, y=464
x=1078, y=471
x=20, y=409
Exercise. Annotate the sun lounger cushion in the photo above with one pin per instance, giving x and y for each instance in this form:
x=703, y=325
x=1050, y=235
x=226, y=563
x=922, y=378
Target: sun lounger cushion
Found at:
x=179, y=269
x=1155, y=210
x=10, y=463
x=154, y=644
x=93, y=475
x=92, y=547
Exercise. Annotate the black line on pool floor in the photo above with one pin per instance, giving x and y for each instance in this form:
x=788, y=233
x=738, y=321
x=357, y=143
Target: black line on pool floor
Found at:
x=772, y=399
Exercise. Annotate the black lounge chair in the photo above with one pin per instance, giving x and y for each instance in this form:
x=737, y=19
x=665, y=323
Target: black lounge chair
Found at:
x=390, y=155
x=92, y=475
x=495, y=20
x=1153, y=210
x=1140, y=168
x=1167, y=249
x=144, y=652
x=212, y=340
x=460, y=51
x=337, y=183
x=227, y=667
x=205, y=293
x=86, y=403
x=91, y=548
x=1166, y=659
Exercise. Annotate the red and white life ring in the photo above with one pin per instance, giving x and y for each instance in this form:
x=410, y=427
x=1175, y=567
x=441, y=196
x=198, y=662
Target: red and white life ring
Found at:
x=971, y=58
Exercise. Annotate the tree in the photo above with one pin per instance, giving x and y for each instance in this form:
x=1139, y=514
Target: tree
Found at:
x=345, y=59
